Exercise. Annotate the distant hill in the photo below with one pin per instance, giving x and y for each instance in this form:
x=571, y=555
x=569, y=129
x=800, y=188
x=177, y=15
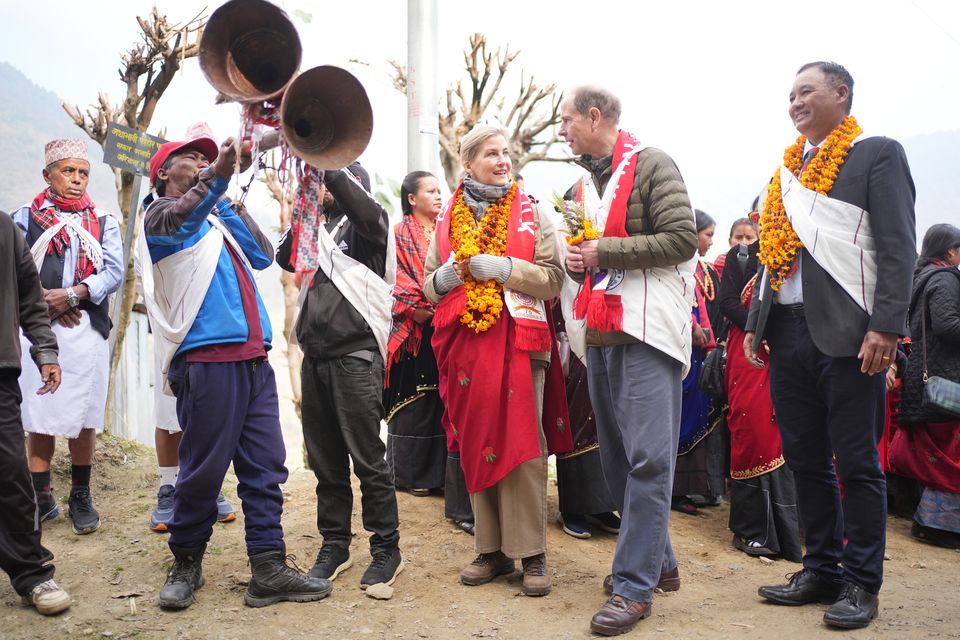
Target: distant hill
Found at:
x=30, y=116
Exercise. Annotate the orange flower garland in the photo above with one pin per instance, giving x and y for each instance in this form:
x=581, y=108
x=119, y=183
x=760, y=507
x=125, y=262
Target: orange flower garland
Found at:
x=470, y=237
x=779, y=244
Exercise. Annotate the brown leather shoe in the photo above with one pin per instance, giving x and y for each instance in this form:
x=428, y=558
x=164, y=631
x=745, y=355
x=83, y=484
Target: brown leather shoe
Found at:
x=486, y=567
x=536, y=577
x=619, y=615
x=669, y=581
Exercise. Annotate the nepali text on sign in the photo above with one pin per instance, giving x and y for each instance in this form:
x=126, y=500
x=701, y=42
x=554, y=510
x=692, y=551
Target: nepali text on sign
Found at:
x=129, y=149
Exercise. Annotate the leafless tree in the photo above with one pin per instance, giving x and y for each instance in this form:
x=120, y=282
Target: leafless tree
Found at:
x=147, y=69
x=530, y=117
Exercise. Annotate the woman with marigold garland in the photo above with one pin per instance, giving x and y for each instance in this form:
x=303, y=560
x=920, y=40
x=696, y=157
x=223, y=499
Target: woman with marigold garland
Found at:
x=491, y=265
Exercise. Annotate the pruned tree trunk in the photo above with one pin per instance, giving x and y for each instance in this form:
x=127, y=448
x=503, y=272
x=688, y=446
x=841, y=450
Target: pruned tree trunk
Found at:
x=156, y=59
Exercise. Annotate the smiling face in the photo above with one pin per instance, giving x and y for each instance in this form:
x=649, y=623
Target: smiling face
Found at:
x=491, y=164
x=68, y=178
x=817, y=104
x=577, y=129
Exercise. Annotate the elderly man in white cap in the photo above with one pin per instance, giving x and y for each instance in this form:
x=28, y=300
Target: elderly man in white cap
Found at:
x=79, y=255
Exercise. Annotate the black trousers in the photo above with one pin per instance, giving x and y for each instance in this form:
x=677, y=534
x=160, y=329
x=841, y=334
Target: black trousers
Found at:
x=22, y=556
x=342, y=409
x=826, y=408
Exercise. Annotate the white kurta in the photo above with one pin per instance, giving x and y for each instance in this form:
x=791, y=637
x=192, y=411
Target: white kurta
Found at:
x=80, y=401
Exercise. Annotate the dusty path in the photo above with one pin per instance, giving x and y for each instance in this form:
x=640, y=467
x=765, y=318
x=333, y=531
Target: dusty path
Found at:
x=114, y=576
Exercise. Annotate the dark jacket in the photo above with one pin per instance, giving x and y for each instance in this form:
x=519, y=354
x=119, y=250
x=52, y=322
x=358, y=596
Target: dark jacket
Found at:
x=736, y=274
x=660, y=225
x=874, y=177
x=937, y=288
x=329, y=326
x=21, y=302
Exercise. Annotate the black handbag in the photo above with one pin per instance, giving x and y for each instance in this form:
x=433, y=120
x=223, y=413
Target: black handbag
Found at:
x=711, y=380
x=941, y=397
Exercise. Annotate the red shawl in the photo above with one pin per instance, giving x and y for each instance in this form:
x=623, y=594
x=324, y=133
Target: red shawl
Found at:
x=46, y=217
x=486, y=382
x=412, y=245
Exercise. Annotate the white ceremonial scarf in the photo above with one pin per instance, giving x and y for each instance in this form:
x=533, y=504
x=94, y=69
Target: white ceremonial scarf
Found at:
x=837, y=234
x=174, y=289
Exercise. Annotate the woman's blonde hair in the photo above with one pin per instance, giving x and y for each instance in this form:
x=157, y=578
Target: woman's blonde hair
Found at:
x=471, y=143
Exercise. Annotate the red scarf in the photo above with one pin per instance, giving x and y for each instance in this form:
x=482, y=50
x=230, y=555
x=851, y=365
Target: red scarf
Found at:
x=44, y=210
x=486, y=383
x=531, y=335
x=412, y=245
x=603, y=311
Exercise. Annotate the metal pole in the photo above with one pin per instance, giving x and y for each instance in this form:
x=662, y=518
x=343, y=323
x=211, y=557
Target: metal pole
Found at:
x=423, y=136
x=127, y=246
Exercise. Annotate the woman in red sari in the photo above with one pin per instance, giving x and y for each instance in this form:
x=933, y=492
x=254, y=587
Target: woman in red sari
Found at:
x=416, y=440
x=763, y=497
x=493, y=262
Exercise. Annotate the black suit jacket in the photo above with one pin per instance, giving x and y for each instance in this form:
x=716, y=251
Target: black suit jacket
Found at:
x=875, y=177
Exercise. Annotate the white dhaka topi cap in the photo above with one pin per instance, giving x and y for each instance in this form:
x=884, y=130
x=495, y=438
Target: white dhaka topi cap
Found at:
x=64, y=148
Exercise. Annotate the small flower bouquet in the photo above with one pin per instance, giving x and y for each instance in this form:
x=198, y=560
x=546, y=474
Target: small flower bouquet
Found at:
x=579, y=226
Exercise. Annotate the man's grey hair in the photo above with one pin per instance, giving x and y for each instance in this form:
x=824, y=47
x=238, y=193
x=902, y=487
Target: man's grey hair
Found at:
x=836, y=73
x=588, y=96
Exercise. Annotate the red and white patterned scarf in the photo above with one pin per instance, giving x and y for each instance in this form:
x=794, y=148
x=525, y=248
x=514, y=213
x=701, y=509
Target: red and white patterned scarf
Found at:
x=44, y=210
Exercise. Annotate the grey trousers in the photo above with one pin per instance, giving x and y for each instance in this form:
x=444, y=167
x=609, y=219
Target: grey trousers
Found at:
x=635, y=390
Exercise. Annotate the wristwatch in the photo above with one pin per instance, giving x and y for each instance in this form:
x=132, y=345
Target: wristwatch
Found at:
x=72, y=298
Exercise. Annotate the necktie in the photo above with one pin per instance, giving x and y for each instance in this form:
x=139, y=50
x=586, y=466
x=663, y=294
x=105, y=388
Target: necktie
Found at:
x=807, y=157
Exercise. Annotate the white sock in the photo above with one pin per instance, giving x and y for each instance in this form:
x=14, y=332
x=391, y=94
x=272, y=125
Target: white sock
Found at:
x=168, y=475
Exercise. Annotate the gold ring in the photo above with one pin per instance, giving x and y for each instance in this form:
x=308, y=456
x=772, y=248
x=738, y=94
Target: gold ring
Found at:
x=884, y=357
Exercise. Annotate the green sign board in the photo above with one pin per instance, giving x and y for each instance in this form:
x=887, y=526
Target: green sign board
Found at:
x=129, y=149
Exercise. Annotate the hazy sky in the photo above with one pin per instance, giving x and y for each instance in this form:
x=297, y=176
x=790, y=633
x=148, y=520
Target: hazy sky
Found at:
x=705, y=81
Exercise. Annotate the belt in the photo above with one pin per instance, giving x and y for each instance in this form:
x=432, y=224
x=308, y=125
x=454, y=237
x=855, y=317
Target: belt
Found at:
x=363, y=354
x=790, y=310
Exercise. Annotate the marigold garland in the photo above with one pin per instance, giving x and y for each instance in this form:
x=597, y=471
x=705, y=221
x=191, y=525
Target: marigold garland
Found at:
x=779, y=244
x=470, y=237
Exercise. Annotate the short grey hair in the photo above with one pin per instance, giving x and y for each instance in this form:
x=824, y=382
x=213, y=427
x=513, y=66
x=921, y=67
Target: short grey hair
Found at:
x=587, y=96
x=471, y=143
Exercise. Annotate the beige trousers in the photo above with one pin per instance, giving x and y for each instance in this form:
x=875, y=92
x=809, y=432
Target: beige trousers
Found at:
x=511, y=516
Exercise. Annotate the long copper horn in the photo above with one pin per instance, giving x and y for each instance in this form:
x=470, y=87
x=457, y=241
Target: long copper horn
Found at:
x=326, y=117
x=250, y=50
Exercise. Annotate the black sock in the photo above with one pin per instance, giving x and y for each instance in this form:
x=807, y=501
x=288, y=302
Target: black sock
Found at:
x=80, y=475
x=41, y=481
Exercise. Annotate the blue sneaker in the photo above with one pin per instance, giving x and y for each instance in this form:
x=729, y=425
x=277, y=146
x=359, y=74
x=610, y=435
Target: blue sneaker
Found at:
x=574, y=525
x=608, y=521
x=47, y=505
x=163, y=514
x=225, y=510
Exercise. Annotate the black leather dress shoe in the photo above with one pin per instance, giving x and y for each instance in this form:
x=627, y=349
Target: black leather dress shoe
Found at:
x=854, y=609
x=804, y=587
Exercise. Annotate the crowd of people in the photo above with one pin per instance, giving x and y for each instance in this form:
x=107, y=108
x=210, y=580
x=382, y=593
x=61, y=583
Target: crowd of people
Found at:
x=791, y=376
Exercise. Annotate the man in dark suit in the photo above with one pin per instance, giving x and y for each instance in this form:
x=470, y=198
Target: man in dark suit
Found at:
x=826, y=349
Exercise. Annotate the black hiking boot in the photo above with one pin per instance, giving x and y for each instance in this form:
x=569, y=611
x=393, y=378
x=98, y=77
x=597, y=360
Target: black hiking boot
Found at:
x=185, y=577
x=274, y=581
